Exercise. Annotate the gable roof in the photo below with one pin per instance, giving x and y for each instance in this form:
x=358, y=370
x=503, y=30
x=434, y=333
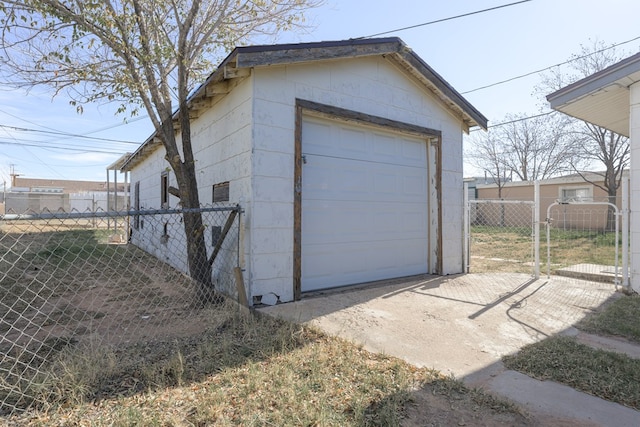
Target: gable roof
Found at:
x=241, y=60
x=601, y=98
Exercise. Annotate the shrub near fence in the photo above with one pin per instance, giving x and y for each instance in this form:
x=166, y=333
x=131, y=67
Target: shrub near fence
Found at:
x=75, y=282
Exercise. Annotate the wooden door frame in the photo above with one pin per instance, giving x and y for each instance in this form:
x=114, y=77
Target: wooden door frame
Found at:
x=432, y=137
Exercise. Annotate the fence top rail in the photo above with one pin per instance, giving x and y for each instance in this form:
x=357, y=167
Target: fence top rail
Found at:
x=506, y=202
x=112, y=214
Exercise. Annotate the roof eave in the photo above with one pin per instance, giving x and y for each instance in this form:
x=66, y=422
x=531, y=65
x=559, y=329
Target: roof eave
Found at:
x=606, y=77
x=245, y=58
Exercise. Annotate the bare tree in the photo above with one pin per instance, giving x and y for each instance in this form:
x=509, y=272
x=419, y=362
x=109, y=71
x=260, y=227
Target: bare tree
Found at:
x=536, y=148
x=600, y=147
x=143, y=54
x=529, y=149
x=486, y=152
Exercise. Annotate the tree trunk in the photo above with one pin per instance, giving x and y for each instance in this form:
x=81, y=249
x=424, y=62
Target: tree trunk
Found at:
x=200, y=270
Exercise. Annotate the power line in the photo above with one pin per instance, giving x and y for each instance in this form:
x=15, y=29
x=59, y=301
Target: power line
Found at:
x=550, y=67
x=521, y=119
x=58, y=133
x=80, y=150
x=82, y=135
x=55, y=144
x=442, y=20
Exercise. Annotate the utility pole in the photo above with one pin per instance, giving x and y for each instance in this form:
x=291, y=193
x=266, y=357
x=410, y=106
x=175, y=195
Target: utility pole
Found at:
x=13, y=175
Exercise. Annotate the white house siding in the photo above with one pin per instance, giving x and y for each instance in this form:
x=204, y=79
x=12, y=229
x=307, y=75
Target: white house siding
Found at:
x=634, y=179
x=368, y=85
x=221, y=139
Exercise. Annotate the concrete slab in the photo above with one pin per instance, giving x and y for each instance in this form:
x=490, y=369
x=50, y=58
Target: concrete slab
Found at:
x=460, y=325
x=556, y=400
x=592, y=272
x=615, y=344
x=456, y=324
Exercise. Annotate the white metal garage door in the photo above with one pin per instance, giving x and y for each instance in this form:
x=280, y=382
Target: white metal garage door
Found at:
x=364, y=204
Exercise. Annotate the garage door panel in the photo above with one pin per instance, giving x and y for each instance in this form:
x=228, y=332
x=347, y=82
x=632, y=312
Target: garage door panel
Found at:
x=364, y=265
x=330, y=178
x=345, y=221
x=342, y=141
x=364, y=204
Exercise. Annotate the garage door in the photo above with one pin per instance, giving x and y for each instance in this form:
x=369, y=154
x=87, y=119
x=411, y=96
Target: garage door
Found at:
x=364, y=204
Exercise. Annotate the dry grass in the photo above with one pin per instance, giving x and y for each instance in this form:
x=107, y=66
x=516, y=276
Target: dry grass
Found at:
x=246, y=370
x=509, y=249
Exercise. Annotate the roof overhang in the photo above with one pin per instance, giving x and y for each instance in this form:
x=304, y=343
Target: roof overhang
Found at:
x=239, y=63
x=603, y=97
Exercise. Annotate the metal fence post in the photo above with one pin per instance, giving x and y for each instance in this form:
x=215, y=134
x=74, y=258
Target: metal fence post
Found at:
x=625, y=233
x=467, y=234
x=536, y=229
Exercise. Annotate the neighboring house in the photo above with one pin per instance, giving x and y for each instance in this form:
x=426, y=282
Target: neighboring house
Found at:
x=611, y=99
x=346, y=157
x=38, y=195
x=569, y=188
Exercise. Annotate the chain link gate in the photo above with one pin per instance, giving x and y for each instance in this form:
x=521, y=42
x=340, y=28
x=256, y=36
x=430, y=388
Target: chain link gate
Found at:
x=587, y=240
x=584, y=241
x=501, y=236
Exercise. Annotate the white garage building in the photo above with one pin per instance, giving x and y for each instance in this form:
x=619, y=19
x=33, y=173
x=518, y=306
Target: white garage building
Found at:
x=346, y=157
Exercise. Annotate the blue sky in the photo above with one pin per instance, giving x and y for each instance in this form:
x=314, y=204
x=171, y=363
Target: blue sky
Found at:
x=468, y=52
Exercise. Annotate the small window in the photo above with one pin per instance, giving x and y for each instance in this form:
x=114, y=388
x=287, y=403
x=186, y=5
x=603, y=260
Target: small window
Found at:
x=575, y=194
x=164, y=190
x=221, y=192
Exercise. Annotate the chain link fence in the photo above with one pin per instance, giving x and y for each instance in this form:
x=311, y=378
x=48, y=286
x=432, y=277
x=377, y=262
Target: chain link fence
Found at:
x=99, y=280
x=501, y=236
x=584, y=241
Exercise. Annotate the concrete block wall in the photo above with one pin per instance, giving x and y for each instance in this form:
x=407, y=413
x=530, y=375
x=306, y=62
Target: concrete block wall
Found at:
x=221, y=138
x=368, y=85
x=452, y=197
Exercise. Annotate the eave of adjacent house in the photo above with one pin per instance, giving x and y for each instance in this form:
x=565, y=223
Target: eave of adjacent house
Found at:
x=603, y=97
x=241, y=60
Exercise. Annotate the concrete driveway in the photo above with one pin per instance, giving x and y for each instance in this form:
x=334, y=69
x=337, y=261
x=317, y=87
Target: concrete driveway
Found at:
x=462, y=325
x=456, y=324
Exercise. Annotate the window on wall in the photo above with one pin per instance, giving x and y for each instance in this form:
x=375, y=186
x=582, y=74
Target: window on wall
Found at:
x=575, y=194
x=164, y=190
x=221, y=192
